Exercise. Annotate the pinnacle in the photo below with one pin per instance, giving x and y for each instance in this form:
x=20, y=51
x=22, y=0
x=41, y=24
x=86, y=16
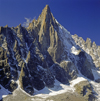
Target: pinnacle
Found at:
x=47, y=9
x=46, y=13
x=6, y=26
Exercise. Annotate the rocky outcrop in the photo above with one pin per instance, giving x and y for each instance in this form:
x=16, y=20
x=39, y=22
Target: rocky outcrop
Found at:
x=47, y=36
x=59, y=73
x=70, y=69
x=90, y=48
x=84, y=88
x=12, y=85
x=84, y=65
x=24, y=81
x=5, y=72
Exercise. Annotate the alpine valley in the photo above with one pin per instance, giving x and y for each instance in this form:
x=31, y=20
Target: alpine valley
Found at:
x=44, y=62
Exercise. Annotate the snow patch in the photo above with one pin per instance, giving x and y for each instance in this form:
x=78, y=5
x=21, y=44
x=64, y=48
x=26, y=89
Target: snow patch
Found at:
x=58, y=88
x=77, y=80
x=3, y=92
x=74, y=50
x=25, y=92
x=18, y=79
x=96, y=74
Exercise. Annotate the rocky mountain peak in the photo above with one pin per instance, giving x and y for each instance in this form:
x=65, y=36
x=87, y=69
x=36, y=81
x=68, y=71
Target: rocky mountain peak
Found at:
x=46, y=16
x=47, y=9
x=45, y=52
x=6, y=26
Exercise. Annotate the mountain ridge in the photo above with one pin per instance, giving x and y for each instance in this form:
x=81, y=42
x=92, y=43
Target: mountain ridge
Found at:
x=35, y=57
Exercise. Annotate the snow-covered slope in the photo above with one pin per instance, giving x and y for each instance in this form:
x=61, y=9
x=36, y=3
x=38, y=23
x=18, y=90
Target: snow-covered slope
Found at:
x=3, y=92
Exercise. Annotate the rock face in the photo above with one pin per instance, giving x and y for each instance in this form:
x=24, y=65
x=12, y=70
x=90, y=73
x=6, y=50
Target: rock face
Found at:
x=70, y=69
x=85, y=66
x=6, y=74
x=90, y=48
x=4, y=68
x=84, y=89
x=34, y=57
x=59, y=73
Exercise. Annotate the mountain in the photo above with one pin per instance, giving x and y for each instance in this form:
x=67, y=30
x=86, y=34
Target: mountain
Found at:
x=45, y=62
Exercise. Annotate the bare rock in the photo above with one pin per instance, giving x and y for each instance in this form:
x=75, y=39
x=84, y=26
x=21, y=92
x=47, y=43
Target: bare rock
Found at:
x=59, y=73
x=85, y=66
x=12, y=86
x=70, y=69
x=84, y=88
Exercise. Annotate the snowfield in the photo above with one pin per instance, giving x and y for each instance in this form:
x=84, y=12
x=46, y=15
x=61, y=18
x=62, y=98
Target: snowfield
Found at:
x=96, y=73
x=3, y=92
x=58, y=88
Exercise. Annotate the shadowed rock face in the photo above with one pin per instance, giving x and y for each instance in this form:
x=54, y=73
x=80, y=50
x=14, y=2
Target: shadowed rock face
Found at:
x=85, y=66
x=6, y=74
x=36, y=55
x=4, y=68
x=70, y=69
x=59, y=73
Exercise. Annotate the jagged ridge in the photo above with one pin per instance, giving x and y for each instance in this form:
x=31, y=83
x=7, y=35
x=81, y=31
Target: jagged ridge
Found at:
x=41, y=53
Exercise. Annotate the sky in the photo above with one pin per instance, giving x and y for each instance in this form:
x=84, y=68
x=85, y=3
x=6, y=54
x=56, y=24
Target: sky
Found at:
x=81, y=17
